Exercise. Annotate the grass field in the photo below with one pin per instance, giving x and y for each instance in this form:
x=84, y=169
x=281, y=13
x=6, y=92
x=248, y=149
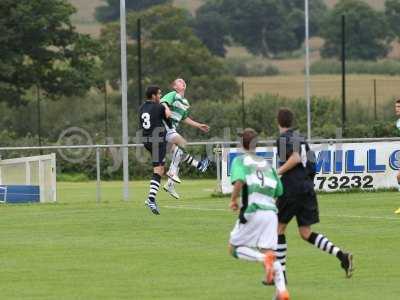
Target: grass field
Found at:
x=78, y=249
x=358, y=87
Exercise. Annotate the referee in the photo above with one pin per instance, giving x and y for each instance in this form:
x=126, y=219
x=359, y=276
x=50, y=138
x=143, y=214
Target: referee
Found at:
x=299, y=198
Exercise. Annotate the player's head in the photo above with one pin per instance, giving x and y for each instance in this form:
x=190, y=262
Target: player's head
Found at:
x=397, y=107
x=249, y=139
x=179, y=85
x=153, y=92
x=285, y=118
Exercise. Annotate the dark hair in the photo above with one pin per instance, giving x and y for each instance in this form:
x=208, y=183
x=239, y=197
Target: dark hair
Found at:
x=398, y=100
x=152, y=90
x=285, y=117
x=249, y=139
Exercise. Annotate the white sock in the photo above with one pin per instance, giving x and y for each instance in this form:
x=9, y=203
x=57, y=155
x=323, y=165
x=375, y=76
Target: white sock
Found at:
x=250, y=254
x=177, y=156
x=170, y=183
x=279, y=278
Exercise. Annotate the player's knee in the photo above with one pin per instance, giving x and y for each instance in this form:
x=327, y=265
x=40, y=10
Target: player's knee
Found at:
x=305, y=233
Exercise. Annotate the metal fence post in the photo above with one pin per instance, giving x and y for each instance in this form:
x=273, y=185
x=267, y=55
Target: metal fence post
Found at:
x=375, y=103
x=98, y=195
x=218, y=151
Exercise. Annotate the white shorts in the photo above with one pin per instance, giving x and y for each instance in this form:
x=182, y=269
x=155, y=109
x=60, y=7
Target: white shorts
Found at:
x=171, y=134
x=260, y=231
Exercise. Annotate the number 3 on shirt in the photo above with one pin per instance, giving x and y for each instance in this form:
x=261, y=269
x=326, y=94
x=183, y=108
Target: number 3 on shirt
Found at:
x=146, y=120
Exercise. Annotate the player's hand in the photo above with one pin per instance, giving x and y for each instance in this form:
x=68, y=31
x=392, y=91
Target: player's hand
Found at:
x=204, y=127
x=234, y=206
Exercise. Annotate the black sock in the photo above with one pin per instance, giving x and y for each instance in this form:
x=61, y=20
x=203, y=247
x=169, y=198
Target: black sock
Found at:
x=154, y=186
x=322, y=242
x=191, y=161
x=281, y=251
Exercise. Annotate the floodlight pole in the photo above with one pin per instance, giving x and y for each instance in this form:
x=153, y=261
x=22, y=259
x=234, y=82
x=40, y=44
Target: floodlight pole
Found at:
x=307, y=68
x=344, y=74
x=124, y=91
x=39, y=121
x=139, y=42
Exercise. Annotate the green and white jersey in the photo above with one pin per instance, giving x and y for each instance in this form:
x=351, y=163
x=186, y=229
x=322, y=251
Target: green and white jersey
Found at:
x=178, y=105
x=261, y=183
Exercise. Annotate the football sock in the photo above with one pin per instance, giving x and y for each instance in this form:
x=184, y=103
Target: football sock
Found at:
x=191, y=161
x=247, y=253
x=154, y=186
x=177, y=156
x=322, y=242
x=170, y=183
x=279, y=278
x=281, y=251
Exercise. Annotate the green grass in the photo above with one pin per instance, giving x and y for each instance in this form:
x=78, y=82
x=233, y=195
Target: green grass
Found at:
x=80, y=249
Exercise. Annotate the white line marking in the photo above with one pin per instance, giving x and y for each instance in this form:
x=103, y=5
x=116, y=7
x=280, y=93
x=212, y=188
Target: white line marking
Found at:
x=328, y=216
x=362, y=217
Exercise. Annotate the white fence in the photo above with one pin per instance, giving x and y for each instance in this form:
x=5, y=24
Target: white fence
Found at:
x=214, y=151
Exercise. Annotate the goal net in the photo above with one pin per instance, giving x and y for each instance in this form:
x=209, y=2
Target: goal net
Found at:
x=35, y=170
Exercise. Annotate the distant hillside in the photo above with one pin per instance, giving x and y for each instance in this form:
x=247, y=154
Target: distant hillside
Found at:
x=86, y=8
x=378, y=4
x=85, y=22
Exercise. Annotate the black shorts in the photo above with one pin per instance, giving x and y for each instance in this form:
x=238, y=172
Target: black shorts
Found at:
x=304, y=206
x=157, y=151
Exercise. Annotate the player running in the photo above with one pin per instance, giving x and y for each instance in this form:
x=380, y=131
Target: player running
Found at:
x=299, y=198
x=152, y=119
x=179, y=107
x=254, y=237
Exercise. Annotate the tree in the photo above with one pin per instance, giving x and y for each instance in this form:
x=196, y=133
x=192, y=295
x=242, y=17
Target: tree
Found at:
x=170, y=49
x=296, y=17
x=392, y=13
x=368, y=35
x=211, y=27
x=264, y=27
x=260, y=25
x=110, y=11
x=39, y=48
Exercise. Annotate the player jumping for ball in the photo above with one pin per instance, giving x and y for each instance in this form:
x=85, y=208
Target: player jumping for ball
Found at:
x=152, y=119
x=179, y=107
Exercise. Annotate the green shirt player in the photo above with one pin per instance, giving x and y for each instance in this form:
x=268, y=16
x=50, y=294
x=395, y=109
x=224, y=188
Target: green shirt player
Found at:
x=180, y=109
x=255, y=235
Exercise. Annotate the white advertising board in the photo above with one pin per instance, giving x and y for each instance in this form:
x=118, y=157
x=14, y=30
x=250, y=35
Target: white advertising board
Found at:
x=339, y=166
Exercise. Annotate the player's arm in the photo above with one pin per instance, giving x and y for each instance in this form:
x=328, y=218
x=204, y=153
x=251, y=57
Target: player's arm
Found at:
x=193, y=123
x=279, y=187
x=292, y=162
x=167, y=111
x=167, y=100
x=292, y=153
x=238, y=178
x=237, y=187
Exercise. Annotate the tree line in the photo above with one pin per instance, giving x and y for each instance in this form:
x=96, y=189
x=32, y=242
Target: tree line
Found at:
x=42, y=54
x=269, y=27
